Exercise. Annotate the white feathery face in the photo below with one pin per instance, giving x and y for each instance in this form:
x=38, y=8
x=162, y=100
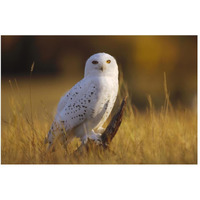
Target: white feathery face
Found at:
x=101, y=64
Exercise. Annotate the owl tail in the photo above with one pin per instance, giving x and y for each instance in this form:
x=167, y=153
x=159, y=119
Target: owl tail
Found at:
x=46, y=140
x=48, y=137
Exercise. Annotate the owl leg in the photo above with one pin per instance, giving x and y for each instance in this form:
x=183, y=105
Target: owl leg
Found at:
x=95, y=136
x=84, y=139
x=83, y=132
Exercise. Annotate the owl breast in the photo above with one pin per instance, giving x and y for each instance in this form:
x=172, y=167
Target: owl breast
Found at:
x=107, y=89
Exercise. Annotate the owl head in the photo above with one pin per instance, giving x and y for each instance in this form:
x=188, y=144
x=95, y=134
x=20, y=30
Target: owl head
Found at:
x=101, y=64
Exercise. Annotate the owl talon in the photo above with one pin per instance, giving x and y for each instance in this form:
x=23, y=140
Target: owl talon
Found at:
x=95, y=137
x=100, y=130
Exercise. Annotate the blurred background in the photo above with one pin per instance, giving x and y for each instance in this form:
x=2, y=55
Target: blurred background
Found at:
x=60, y=60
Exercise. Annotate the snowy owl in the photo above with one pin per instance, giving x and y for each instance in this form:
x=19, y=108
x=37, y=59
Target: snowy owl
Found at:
x=83, y=110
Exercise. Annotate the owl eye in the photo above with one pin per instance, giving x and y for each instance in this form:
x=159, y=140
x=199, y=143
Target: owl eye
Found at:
x=108, y=61
x=94, y=62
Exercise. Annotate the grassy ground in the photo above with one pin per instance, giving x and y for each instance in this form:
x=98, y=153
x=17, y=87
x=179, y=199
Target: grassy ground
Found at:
x=164, y=136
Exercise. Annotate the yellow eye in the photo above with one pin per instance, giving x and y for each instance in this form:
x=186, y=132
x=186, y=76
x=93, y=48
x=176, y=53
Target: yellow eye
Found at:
x=108, y=61
x=94, y=62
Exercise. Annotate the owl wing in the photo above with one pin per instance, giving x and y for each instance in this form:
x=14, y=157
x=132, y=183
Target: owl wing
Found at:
x=77, y=105
x=73, y=94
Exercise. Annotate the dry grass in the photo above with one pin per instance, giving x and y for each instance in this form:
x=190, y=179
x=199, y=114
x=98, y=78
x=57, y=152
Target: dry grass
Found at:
x=168, y=135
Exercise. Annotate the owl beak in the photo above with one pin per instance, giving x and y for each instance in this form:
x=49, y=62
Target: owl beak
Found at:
x=101, y=68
